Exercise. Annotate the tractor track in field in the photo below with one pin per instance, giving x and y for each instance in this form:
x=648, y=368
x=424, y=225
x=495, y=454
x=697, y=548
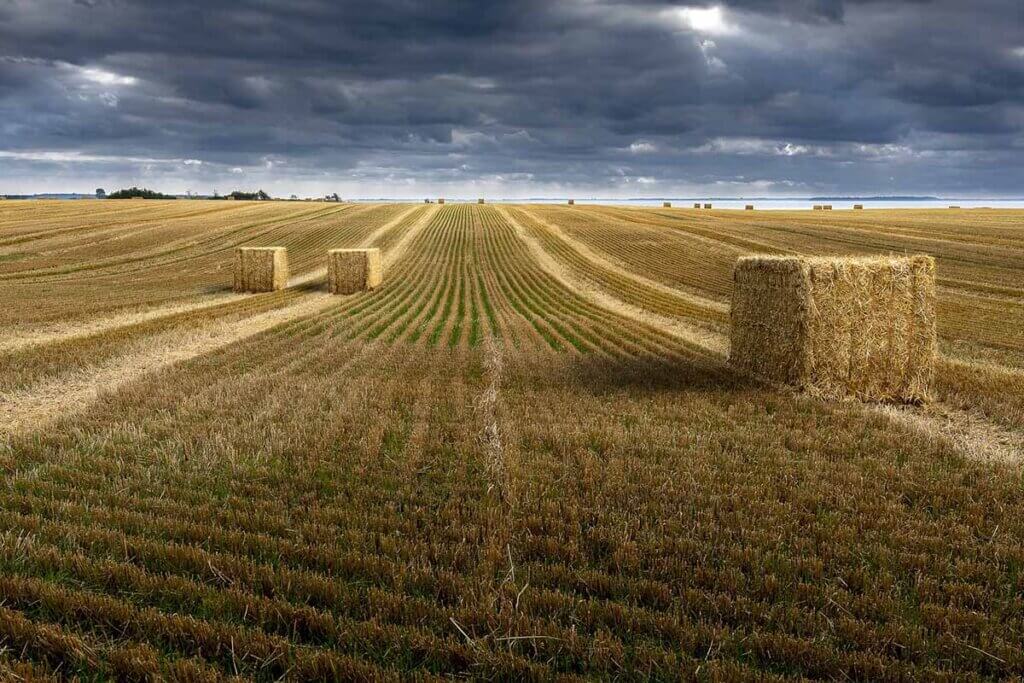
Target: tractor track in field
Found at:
x=35, y=407
x=713, y=344
x=605, y=263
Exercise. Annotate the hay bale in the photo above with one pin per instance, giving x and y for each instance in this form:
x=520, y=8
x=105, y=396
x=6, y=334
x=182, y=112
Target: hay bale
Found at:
x=954, y=207
x=440, y=200
x=817, y=207
x=480, y=201
x=862, y=327
x=260, y=269
x=666, y=205
x=696, y=205
x=858, y=207
x=354, y=270
x=750, y=207
x=572, y=202
x=826, y=207
x=707, y=206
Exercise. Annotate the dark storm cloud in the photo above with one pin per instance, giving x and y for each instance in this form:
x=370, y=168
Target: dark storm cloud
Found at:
x=775, y=96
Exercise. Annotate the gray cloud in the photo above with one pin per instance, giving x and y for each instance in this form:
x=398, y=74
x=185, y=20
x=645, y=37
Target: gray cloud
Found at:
x=531, y=97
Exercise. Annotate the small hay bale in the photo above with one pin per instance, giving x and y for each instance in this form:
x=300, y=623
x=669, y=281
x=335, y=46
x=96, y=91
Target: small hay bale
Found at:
x=666, y=205
x=480, y=201
x=354, y=270
x=440, y=200
x=826, y=207
x=834, y=327
x=954, y=207
x=750, y=207
x=572, y=202
x=858, y=207
x=260, y=269
x=817, y=207
x=707, y=206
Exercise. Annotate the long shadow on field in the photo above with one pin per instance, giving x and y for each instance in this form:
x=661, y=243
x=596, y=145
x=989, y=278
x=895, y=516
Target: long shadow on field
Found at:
x=655, y=376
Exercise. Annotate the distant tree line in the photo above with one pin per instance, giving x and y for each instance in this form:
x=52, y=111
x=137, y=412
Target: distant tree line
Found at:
x=141, y=192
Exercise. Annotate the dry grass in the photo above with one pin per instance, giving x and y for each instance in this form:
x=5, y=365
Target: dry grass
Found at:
x=501, y=464
x=863, y=327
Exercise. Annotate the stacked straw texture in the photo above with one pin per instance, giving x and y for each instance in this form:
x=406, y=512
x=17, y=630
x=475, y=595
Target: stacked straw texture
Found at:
x=260, y=269
x=862, y=327
x=353, y=270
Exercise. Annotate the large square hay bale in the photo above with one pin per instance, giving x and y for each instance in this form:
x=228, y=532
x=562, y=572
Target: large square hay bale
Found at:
x=954, y=207
x=750, y=207
x=858, y=207
x=260, y=269
x=480, y=201
x=666, y=205
x=817, y=207
x=861, y=327
x=572, y=202
x=440, y=200
x=707, y=206
x=354, y=270
x=826, y=207
x=696, y=205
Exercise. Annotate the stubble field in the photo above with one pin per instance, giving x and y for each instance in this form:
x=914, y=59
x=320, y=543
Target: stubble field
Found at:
x=524, y=456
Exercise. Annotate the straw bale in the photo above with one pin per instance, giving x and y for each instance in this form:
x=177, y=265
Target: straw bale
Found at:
x=954, y=207
x=666, y=205
x=696, y=205
x=572, y=202
x=354, y=270
x=440, y=200
x=826, y=207
x=260, y=269
x=480, y=201
x=707, y=206
x=858, y=207
x=750, y=207
x=817, y=207
x=862, y=327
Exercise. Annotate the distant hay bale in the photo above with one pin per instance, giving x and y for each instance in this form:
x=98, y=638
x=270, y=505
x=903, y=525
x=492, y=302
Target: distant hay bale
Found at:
x=666, y=205
x=353, y=270
x=826, y=207
x=858, y=207
x=260, y=269
x=862, y=327
x=707, y=206
x=480, y=201
x=572, y=202
x=440, y=200
x=750, y=207
x=954, y=207
x=696, y=205
x=817, y=207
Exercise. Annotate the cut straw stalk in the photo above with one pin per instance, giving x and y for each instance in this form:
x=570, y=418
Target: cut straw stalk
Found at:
x=354, y=270
x=260, y=269
x=862, y=327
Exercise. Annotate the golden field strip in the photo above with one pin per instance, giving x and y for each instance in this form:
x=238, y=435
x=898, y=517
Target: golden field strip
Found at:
x=523, y=456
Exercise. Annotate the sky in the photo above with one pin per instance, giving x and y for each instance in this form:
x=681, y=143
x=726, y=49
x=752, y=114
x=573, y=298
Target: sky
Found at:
x=514, y=99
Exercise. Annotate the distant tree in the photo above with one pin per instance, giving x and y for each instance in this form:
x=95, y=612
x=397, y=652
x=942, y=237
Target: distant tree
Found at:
x=138, y=192
x=100, y=193
x=258, y=196
x=293, y=197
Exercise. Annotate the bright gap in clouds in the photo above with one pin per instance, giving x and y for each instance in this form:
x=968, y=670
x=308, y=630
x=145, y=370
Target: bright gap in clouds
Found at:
x=710, y=20
x=106, y=77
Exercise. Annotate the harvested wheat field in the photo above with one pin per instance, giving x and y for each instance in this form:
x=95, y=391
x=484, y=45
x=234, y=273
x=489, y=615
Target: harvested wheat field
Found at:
x=524, y=455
